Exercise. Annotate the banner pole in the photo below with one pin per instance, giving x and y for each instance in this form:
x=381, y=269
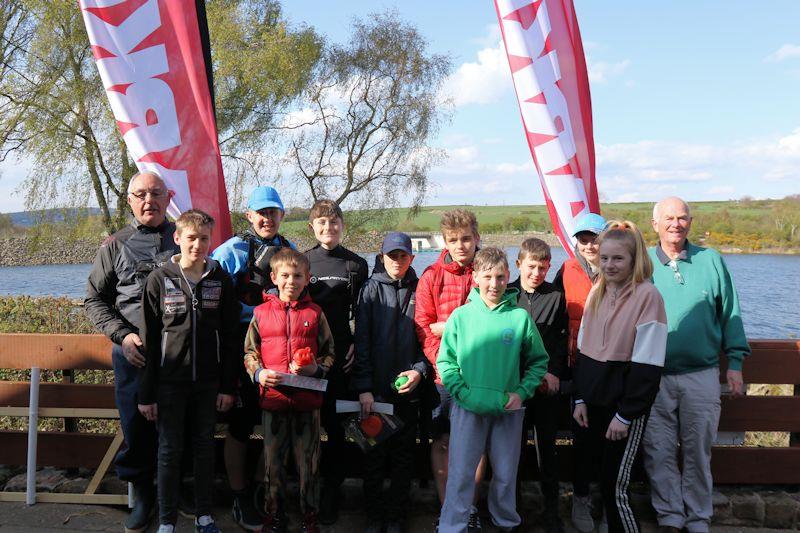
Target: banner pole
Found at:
x=33, y=425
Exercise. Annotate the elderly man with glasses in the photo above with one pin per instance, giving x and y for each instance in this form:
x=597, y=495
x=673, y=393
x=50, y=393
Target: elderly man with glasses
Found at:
x=113, y=304
x=703, y=319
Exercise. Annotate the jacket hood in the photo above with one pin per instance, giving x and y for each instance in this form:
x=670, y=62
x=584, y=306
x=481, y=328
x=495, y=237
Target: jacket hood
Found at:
x=379, y=274
x=509, y=300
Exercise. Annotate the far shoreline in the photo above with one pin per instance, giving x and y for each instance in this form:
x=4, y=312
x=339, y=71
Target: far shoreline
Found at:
x=18, y=252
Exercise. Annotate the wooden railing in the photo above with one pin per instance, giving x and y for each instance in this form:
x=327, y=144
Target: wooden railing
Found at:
x=773, y=362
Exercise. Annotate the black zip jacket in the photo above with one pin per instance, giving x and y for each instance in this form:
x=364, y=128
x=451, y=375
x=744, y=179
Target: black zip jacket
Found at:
x=336, y=279
x=189, y=333
x=386, y=341
x=548, y=309
x=114, y=290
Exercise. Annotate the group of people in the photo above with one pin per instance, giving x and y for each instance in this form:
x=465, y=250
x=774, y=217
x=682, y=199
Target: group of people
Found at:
x=462, y=355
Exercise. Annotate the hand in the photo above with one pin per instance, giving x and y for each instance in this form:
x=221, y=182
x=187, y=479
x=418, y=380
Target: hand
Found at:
x=616, y=430
x=414, y=379
x=349, y=359
x=269, y=378
x=581, y=415
x=130, y=349
x=149, y=411
x=514, y=401
x=437, y=328
x=367, y=403
x=553, y=384
x=305, y=370
x=225, y=402
x=736, y=382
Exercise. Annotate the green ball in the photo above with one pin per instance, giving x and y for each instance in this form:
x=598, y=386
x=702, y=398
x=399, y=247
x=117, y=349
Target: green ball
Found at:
x=400, y=381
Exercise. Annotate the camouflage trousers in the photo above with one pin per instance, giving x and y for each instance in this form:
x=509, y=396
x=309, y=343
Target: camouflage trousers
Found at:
x=290, y=435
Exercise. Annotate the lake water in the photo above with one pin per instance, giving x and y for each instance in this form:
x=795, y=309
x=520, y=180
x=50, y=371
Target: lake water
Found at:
x=768, y=286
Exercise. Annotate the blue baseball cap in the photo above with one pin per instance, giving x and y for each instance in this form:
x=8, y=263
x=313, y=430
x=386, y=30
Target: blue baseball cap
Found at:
x=264, y=197
x=396, y=240
x=591, y=222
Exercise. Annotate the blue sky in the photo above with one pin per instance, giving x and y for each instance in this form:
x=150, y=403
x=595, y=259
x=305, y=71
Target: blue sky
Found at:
x=698, y=99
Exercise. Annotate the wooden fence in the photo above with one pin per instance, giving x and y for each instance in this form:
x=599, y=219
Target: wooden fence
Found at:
x=773, y=362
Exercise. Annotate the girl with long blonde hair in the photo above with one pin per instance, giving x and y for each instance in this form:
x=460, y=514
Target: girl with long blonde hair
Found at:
x=621, y=347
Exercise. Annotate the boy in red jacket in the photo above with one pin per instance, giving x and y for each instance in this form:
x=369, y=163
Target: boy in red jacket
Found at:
x=281, y=326
x=443, y=287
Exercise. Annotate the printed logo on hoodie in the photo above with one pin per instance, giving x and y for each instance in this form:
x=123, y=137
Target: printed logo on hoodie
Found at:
x=507, y=336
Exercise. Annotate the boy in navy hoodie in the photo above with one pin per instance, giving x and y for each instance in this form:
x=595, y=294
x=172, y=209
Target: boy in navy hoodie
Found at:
x=388, y=354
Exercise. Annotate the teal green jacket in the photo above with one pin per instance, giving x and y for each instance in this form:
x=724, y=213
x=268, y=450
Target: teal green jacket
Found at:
x=484, y=351
x=703, y=315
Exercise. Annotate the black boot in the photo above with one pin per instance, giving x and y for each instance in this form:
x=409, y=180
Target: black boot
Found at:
x=144, y=496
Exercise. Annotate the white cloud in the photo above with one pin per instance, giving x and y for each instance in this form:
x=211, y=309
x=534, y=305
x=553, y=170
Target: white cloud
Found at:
x=481, y=82
x=602, y=71
x=722, y=190
x=787, y=51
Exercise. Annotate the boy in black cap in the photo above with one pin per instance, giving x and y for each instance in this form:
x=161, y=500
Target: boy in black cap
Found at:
x=389, y=367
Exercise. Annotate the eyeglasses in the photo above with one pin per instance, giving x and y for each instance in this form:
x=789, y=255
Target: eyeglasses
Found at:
x=678, y=276
x=154, y=194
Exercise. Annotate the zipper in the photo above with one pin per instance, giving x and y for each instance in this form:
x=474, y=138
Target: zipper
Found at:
x=164, y=348
x=194, y=322
x=216, y=333
x=288, y=335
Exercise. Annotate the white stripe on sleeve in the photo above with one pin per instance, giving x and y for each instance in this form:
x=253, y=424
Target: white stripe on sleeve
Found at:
x=650, y=345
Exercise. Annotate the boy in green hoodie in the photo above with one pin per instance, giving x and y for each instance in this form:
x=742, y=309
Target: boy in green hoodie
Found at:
x=484, y=346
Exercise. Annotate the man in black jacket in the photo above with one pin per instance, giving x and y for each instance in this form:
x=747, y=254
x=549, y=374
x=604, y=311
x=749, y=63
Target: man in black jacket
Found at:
x=546, y=306
x=113, y=304
x=387, y=349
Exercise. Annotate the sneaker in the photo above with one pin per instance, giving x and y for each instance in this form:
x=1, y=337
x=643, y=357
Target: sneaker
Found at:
x=374, y=526
x=603, y=527
x=310, y=523
x=582, y=514
x=245, y=513
x=166, y=528
x=205, y=524
x=436, y=526
x=273, y=523
x=260, y=499
x=474, y=523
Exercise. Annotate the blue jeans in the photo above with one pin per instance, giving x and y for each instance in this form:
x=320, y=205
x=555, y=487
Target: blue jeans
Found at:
x=136, y=461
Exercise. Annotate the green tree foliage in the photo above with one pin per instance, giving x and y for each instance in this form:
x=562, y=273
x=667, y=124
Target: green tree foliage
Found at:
x=54, y=110
x=364, y=138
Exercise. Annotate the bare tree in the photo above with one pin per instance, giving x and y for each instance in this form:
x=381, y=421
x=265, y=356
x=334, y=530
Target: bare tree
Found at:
x=364, y=138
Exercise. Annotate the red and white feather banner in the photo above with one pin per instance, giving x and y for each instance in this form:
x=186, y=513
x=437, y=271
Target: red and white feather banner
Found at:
x=544, y=50
x=152, y=63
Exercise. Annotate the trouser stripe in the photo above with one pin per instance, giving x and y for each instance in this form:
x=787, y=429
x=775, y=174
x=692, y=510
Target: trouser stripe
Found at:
x=624, y=475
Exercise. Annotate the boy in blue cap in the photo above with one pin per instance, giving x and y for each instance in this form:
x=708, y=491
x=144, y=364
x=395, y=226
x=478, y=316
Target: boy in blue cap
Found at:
x=390, y=365
x=246, y=258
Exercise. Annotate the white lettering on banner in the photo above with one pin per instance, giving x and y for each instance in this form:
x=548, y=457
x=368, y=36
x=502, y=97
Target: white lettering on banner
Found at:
x=544, y=108
x=140, y=100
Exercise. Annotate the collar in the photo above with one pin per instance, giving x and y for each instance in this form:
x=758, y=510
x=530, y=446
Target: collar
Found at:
x=665, y=259
x=149, y=229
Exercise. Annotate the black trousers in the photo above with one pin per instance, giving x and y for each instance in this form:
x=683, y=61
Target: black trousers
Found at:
x=396, y=454
x=610, y=462
x=542, y=414
x=332, y=466
x=183, y=406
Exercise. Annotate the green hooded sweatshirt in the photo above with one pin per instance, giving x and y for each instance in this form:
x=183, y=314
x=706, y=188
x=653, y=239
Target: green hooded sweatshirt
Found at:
x=483, y=350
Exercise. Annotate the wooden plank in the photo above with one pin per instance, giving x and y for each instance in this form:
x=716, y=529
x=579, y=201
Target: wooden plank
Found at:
x=761, y=466
x=57, y=497
x=65, y=450
x=55, y=412
x=760, y=413
x=772, y=366
x=62, y=395
x=104, y=464
x=55, y=352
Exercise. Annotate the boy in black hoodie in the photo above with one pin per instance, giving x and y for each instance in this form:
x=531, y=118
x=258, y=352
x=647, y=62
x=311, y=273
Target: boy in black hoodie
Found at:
x=190, y=319
x=387, y=350
x=545, y=304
